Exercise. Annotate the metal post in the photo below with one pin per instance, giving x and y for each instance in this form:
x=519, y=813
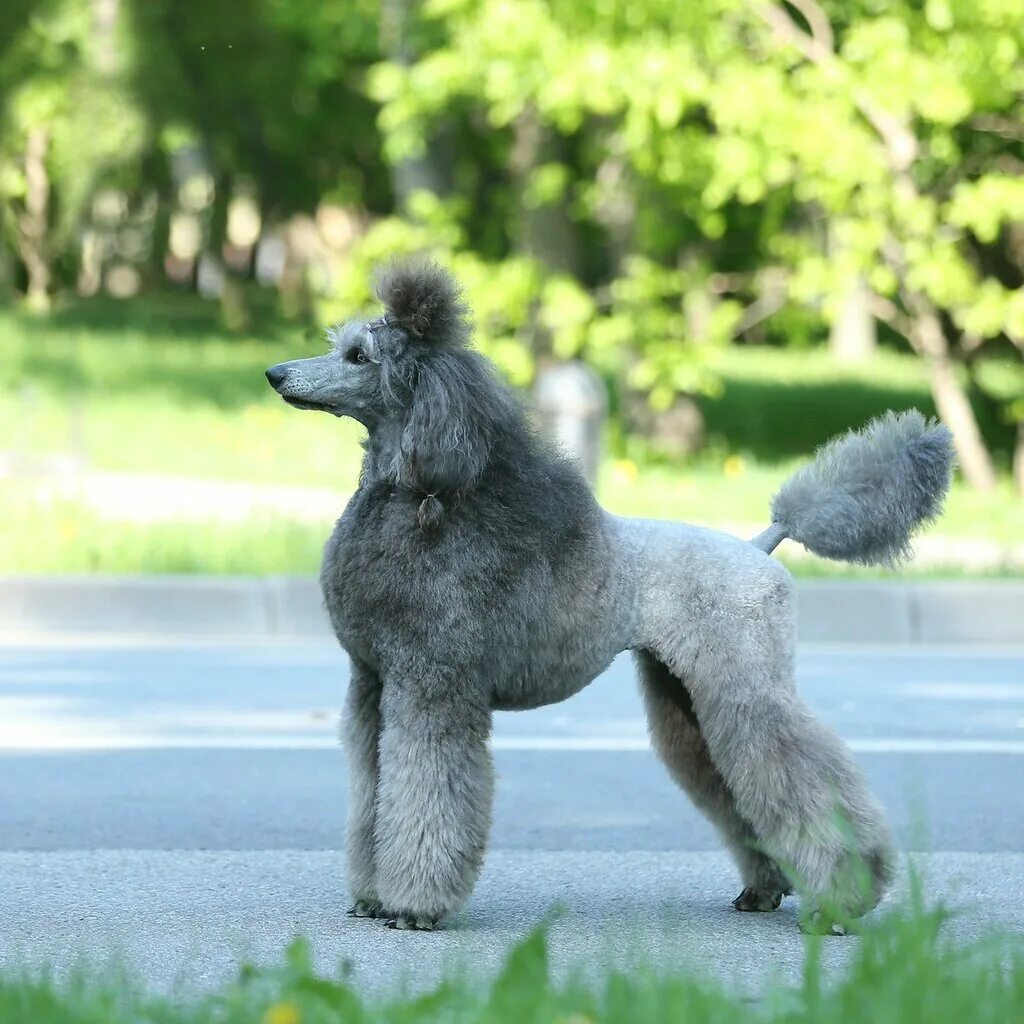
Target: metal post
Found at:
x=572, y=407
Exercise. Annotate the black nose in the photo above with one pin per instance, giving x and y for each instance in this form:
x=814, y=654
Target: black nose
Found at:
x=276, y=375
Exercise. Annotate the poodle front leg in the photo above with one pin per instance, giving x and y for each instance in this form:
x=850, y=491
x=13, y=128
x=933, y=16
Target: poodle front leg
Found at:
x=360, y=731
x=434, y=801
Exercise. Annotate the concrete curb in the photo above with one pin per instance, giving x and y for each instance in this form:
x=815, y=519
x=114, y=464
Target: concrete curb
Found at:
x=954, y=612
x=961, y=612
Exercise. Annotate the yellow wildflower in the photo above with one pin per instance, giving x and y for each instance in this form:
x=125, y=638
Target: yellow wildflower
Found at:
x=734, y=466
x=625, y=471
x=281, y=1013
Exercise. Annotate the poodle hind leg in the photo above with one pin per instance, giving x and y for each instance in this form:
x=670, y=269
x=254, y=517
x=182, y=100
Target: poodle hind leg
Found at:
x=360, y=735
x=434, y=801
x=791, y=777
x=675, y=734
x=795, y=781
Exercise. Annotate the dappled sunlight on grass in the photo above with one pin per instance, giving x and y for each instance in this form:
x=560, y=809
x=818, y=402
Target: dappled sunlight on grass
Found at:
x=67, y=536
x=158, y=388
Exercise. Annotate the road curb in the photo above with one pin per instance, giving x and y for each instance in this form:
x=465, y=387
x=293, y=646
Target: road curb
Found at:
x=955, y=612
x=919, y=612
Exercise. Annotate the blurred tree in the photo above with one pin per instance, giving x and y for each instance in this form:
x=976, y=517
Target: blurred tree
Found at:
x=67, y=122
x=635, y=181
x=403, y=38
x=569, y=92
x=274, y=95
x=914, y=164
x=274, y=100
x=752, y=158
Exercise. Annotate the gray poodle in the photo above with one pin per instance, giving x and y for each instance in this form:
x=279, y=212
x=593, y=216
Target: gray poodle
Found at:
x=473, y=571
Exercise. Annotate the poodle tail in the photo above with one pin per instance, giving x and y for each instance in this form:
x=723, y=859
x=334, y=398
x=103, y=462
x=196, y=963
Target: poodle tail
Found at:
x=865, y=494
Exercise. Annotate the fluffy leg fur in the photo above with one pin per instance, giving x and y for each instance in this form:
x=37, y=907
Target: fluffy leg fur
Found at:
x=434, y=801
x=360, y=731
x=791, y=777
x=677, y=740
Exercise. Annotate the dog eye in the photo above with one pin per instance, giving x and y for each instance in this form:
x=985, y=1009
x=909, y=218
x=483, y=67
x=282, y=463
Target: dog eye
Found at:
x=356, y=355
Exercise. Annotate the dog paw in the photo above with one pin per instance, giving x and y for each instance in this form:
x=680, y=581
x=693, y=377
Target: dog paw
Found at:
x=412, y=922
x=366, y=908
x=753, y=900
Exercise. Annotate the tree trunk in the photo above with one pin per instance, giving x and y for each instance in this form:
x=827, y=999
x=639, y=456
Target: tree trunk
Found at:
x=156, y=264
x=431, y=171
x=853, y=338
x=104, y=24
x=546, y=232
x=615, y=209
x=950, y=398
x=6, y=259
x=34, y=222
x=234, y=310
x=293, y=286
x=1018, y=460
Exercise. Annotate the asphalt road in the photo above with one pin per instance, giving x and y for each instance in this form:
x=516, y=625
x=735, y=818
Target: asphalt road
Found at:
x=180, y=805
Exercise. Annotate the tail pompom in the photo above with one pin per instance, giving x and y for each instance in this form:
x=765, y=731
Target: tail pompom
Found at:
x=866, y=493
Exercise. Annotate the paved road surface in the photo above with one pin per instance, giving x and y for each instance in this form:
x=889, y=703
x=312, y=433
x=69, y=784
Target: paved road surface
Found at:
x=181, y=805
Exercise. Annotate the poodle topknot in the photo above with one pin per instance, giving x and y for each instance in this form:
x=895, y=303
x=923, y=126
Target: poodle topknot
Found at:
x=424, y=298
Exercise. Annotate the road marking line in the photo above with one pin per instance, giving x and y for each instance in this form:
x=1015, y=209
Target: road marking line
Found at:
x=54, y=742
x=867, y=745
x=927, y=745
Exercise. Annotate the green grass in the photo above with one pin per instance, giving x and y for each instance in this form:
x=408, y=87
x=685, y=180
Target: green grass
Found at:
x=780, y=404
x=903, y=971
x=67, y=538
x=166, y=394
x=738, y=491
x=156, y=386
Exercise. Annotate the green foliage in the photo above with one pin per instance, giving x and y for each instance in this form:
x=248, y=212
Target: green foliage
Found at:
x=732, y=138
x=274, y=95
x=638, y=183
x=903, y=970
x=59, y=77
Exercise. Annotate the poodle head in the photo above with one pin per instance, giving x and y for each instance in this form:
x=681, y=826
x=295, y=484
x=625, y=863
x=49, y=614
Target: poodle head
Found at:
x=372, y=369
x=411, y=379
x=353, y=379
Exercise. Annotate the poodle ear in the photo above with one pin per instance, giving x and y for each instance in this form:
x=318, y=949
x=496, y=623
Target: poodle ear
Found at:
x=425, y=299
x=447, y=436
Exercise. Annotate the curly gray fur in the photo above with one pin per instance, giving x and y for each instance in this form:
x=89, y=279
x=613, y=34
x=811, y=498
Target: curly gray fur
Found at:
x=866, y=493
x=424, y=299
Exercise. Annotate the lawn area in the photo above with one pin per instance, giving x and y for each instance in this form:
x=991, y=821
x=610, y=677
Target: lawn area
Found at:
x=903, y=971
x=154, y=388
x=157, y=387
x=68, y=537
